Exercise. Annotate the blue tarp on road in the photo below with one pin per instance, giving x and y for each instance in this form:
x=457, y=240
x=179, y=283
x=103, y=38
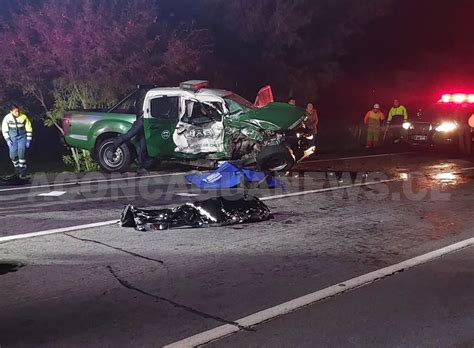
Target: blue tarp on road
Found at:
x=228, y=175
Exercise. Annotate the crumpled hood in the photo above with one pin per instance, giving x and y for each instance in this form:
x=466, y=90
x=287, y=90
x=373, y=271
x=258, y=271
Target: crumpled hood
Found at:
x=275, y=116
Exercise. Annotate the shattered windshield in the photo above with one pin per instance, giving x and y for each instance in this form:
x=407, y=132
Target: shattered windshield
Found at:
x=237, y=104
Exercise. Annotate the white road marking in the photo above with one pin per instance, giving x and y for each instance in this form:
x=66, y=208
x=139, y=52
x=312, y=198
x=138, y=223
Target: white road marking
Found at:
x=301, y=193
x=268, y=198
x=57, y=230
x=74, y=183
x=309, y=299
x=25, y=205
x=185, y=194
x=105, y=223
x=52, y=194
x=357, y=157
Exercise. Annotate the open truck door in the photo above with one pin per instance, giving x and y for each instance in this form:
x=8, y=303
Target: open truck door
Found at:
x=264, y=97
x=161, y=118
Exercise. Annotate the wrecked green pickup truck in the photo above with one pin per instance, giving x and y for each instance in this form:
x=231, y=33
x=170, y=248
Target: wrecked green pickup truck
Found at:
x=195, y=125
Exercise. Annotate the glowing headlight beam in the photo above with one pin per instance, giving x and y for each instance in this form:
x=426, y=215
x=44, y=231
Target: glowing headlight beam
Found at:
x=406, y=125
x=446, y=127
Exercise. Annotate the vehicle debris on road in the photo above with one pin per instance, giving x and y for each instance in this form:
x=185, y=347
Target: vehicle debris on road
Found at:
x=218, y=211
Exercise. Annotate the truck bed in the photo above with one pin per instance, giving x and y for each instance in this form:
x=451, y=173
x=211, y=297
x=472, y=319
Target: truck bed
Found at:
x=85, y=127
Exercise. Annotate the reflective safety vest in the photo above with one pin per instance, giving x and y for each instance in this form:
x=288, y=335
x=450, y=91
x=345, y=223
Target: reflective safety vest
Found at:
x=13, y=127
x=400, y=111
x=373, y=119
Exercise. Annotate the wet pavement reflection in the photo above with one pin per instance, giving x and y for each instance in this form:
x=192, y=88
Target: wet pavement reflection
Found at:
x=445, y=174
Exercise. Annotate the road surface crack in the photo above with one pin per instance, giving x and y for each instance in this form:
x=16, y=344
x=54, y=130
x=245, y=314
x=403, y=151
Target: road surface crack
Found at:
x=129, y=286
x=115, y=248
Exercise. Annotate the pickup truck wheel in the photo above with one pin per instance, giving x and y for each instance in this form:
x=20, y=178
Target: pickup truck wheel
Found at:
x=275, y=158
x=111, y=159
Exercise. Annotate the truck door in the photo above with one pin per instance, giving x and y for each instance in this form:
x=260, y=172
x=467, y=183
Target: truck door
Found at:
x=201, y=128
x=160, y=121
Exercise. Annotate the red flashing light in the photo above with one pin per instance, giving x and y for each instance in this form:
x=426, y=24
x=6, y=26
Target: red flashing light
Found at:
x=446, y=98
x=457, y=98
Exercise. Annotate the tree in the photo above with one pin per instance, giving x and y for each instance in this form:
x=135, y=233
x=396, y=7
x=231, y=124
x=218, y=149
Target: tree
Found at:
x=295, y=45
x=93, y=51
x=105, y=45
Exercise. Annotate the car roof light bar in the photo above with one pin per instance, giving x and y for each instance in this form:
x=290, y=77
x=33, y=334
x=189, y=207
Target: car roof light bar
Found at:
x=194, y=85
x=457, y=98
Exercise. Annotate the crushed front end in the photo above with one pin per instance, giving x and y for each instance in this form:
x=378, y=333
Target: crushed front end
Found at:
x=301, y=140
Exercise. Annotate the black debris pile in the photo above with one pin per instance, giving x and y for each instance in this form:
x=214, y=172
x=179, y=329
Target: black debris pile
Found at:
x=13, y=180
x=219, y=211
x=8, y=267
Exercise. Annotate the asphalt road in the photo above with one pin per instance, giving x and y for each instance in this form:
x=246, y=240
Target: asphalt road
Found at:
x=111, y=286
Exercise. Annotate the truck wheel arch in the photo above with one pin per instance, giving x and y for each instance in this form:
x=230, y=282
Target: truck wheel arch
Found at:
x=111, y=159
x=109, y=135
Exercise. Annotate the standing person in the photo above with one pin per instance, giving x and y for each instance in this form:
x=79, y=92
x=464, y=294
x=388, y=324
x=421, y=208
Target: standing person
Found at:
x=397, y=112
x=312, y=121
x=18, y=133
x=292, y=102
x=373, y=119
x=137, y=131
x=396, y=116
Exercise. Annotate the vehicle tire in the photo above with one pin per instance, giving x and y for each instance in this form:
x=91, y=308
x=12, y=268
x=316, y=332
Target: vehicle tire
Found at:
x=275, y=158
x=110, y=161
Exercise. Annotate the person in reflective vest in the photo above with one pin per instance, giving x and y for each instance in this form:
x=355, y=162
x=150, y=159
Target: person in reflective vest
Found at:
x=373, y=119
x=396, y=117
x=397, y=113
x=18, y=133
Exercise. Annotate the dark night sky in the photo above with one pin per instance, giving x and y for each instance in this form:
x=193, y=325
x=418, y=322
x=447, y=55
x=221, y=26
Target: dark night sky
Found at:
x=431, y=39
x=422, y=49
x=419, y=50
x=420, y=32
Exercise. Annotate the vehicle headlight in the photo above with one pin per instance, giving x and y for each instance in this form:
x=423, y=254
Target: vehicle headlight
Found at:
x=406, y=125
x=446, y=127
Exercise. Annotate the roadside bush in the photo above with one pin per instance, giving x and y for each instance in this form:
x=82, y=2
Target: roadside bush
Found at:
x=81, y=161
x=74, y=96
